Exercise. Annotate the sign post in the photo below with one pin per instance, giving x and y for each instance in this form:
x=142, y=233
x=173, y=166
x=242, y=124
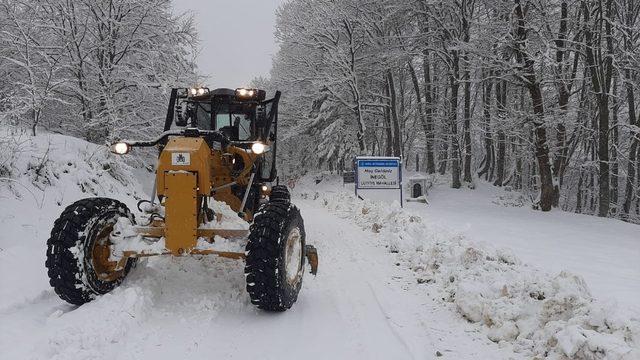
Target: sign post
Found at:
x=379, y=177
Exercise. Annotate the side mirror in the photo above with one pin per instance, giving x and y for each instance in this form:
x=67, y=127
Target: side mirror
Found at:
x=180, y=119
x=261, y=117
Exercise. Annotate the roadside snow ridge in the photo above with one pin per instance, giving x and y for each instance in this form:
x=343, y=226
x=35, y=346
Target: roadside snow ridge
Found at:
x=540, y=314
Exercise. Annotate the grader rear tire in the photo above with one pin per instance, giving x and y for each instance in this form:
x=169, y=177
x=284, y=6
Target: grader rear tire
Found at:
x=78, y=250
x=280, y=193
x=275, y=256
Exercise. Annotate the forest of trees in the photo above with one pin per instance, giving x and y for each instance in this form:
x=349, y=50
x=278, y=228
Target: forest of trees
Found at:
x=98, y=70
x=538, y=95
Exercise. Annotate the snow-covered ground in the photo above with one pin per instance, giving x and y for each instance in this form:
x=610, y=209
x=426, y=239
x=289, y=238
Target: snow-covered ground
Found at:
x=531, y=306
x=361, y=304
x=392, y=283
x=606, y=252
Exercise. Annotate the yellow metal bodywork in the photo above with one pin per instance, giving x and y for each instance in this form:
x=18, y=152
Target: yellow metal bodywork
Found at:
x=214, y=168
x=222, y=175
x=200, y=163
x=183, y=185
x=181, y=211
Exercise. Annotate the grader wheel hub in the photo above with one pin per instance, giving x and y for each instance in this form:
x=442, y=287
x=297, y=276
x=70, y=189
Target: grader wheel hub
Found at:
x=104, y=268
x=293, y=256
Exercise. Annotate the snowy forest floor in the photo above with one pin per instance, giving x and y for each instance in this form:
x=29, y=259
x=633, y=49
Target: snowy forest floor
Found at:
x=606, y=252
x=392, y=284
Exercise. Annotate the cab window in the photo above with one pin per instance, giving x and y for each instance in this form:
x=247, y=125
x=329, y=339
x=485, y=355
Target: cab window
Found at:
x=203, y=115
x=243, y=122
x=222, y=120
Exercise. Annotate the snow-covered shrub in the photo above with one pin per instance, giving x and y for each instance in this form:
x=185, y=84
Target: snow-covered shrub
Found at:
x=55, y=165
x=11, y=143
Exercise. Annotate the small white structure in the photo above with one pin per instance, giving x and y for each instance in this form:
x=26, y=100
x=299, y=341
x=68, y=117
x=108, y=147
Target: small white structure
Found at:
x=418, y=188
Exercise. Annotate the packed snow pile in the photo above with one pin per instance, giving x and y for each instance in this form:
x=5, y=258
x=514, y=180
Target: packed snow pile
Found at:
x=225, y=218
x=541, y=315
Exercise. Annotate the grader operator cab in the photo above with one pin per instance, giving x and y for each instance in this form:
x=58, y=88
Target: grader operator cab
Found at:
x=221, y=150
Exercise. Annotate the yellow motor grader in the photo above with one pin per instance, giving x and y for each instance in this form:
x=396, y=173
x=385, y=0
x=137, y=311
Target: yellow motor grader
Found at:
x=218, y=146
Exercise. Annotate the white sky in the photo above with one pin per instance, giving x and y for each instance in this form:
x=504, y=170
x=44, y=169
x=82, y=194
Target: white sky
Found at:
x=236, y=38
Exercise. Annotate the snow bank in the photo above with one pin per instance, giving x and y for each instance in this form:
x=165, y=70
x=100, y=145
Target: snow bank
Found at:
x=540, y=314
x=39, y=177
x=52, y=168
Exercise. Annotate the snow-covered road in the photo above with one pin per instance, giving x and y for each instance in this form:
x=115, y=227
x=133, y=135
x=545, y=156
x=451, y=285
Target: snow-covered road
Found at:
x=361, y=305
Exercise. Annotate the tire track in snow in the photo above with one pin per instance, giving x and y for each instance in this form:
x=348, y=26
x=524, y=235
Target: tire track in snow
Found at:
x=387, y=321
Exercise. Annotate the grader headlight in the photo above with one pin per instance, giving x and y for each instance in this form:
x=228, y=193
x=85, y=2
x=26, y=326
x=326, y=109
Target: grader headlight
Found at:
x=245, y=93
x=258, y=148
x=120, y=148
x=198, y=91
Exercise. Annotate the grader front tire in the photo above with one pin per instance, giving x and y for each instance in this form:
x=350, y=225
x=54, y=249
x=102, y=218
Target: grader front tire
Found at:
x=275, y=256
x=78, y=250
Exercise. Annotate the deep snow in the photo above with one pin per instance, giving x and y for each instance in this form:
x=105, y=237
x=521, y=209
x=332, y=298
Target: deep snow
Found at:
x=50, y=172
x=360, y=305
x=537, y=311
x=392, y=283
x=606, y=252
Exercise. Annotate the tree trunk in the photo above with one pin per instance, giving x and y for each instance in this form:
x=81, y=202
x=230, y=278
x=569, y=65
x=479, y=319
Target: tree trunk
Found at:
x=630, y=75
x=426, y=127
x=467, y=122
x=564, y=92
x=501, y=100
x=633, y=150
x=453, y=121
x=603, y=155
x=601, y=73
x=444, y=157
x=614, y=150
x=541, y=146
x=394, y=115
x=387, y=125
x=487, y=85
x=517, y=184
x=429, y=106
x=467, y=94
x=579, y=194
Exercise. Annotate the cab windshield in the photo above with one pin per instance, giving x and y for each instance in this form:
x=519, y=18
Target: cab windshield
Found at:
x=236, y=124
